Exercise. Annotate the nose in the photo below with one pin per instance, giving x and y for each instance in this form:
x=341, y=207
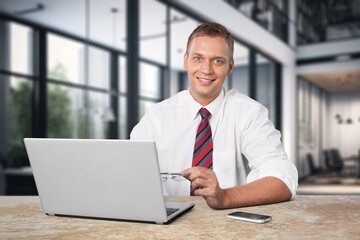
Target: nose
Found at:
x=206, y=67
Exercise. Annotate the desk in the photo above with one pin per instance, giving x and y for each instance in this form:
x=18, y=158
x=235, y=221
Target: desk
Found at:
x=307, y=217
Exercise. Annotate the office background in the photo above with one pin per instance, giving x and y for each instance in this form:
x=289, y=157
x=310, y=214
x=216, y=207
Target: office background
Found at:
x=90, y=68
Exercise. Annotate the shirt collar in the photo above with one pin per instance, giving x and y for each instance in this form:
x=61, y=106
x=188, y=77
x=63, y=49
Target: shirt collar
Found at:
x=194, y=106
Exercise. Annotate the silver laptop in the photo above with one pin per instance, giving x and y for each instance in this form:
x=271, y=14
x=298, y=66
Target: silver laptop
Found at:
x=106, y=179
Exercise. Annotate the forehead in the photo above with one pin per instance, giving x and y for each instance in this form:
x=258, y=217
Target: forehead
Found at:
x=206, y=44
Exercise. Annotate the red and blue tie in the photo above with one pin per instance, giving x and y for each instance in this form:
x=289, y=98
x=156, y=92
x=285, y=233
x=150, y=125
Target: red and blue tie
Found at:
x=203, y=143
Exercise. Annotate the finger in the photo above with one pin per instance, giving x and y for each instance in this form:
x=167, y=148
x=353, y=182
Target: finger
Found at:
x=204, y=192
x=191, y=173
x=185, y=172
x=201, y=172
x=198, y=183
x=208, y=187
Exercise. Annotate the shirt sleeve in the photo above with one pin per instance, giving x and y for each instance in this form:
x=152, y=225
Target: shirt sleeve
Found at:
x=262, y=146
x=145, y=129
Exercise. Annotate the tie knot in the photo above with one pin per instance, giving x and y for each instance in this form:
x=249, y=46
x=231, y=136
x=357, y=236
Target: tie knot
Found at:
x=204, y=113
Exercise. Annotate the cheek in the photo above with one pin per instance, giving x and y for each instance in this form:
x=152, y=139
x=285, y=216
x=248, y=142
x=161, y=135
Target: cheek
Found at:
x=222, y=73
x=191, y=69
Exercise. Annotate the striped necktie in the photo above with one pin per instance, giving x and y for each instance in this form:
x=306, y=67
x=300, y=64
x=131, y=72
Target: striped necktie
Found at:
x=203, y=143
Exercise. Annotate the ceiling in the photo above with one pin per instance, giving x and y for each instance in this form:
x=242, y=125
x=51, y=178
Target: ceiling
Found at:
x=345, y=81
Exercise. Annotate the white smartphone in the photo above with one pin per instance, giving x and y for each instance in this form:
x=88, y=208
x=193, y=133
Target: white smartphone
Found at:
x=250, y=217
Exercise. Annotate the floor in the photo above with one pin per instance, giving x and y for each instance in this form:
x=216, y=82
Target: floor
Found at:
x=328, y=185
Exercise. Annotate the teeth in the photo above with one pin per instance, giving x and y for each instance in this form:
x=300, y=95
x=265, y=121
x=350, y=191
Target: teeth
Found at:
x=205, y=80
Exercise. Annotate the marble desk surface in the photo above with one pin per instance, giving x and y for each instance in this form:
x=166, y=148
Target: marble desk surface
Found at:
x=307, y=217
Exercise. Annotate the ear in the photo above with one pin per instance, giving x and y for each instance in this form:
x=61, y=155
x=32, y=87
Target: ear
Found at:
x=185, y=61
x=231, y=67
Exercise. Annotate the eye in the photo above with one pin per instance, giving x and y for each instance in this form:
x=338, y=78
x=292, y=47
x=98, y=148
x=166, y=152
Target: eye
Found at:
x=197, y=59
x=218, y=61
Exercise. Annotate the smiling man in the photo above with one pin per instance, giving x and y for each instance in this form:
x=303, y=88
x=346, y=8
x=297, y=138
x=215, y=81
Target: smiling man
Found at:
x=223, y=142
x=208, y=62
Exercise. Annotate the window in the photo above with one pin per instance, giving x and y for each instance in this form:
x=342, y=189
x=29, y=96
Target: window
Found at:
x=81, y=110
x=16, y=117
x=20, y=56
x=108, y=22
x=152, y=31
x=149, y=86
x=240, y=75
x=16, y=86
x=272, y=15
x=98, y=69
x=266, y=84
x=181, y=27
x=149, y=81
x=65, y=58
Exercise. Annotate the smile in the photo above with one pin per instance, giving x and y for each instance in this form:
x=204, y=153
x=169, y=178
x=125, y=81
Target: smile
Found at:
x=204, y=80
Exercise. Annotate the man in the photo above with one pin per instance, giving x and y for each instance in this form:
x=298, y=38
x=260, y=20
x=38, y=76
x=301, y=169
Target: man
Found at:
x=241, y=161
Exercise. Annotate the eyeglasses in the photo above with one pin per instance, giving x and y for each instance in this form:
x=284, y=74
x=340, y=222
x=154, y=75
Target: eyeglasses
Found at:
x=174, y=176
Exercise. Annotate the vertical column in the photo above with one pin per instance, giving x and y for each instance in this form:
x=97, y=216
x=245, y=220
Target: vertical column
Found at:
x=114, y=102
x=289, y=128
x=165, y=82
x=252, y=73
x=40, y=88
x=4, y=85
x=292, y=23
x=132, y=63
x=278, y=97
x=252, y=59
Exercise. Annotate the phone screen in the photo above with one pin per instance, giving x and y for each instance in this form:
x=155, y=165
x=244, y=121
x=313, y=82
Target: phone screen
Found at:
x=250, y=217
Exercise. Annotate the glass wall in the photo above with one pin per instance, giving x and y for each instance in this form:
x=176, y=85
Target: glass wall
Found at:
x=15, y=91
x=240, y=77
x=149, y=86
x=181, y=26
x=266, y=84
x=83, y=108
x=320, y=21
x=107, y=23
x=272, y=15
x=16, y=119
x=152, y=39
x=78, y=89
x=309, y=123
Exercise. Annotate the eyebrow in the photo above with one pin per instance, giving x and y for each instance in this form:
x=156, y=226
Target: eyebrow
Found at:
x=215, y=57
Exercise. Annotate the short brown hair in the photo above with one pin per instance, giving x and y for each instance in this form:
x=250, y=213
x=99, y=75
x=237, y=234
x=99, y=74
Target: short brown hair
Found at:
x=212, y=29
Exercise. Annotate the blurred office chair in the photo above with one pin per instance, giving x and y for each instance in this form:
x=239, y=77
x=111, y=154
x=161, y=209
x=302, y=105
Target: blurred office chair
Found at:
x=348, y=168
x=333, y=161
x=313, y=169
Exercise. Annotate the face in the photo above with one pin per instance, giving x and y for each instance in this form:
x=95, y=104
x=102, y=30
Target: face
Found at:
x=207, y=63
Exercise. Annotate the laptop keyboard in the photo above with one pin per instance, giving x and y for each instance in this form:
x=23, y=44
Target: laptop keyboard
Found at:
x=170, y=211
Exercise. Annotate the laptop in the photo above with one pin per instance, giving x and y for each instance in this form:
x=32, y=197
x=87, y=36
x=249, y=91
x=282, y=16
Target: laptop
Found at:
x=102, y=179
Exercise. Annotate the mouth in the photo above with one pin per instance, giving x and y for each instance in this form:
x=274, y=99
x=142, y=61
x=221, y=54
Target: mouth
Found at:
x=205, y=80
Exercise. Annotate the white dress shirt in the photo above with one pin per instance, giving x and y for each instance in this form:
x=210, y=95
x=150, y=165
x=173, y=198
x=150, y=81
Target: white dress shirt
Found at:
x=246, y=146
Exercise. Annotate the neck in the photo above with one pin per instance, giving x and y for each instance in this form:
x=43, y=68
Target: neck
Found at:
x=204, y=101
